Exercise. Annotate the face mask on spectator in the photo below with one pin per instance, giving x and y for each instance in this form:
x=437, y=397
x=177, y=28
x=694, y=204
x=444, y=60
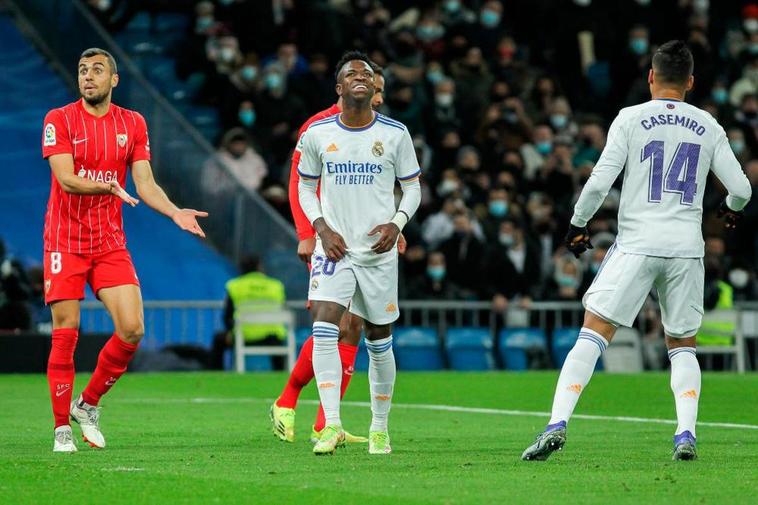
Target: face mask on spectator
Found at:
x=544, y=147
x=506, y=239
x=595, y=266
x=498, y=208
x=444, y=99
x=643, y=3
x=273, y=81
x=247, y=117
x=429, y=33
x=583, y=3
x=739, y=278
x=249, y=72
x=750, y=25
x=638, y=45
x=490, y=18
x=447, y=186
x=559, y=121
x=226, y=2
x=104, y=5
x=435, y=76
x=452, y=6
x=566, y=281
x=203, y=23
x=720, y=95
x=737, y=146
x=226, y=54
x=436, y=273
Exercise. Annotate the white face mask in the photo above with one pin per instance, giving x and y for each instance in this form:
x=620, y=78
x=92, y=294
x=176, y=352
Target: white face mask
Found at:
x=226, y=54
x=750, y=25
x=444, y=99
x=739, y=278
x=104, y=5
x=583, y=3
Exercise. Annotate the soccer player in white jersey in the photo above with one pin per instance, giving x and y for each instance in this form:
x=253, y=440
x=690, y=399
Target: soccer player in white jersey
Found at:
x=668, y=148
x=357, y=155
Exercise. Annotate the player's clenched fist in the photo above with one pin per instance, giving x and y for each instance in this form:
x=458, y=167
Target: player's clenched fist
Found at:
x=578, y=240
x=332, y=242
x=731, y=217
x=387, y=237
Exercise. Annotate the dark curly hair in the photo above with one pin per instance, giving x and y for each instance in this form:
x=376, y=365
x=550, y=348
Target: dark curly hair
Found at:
x=350, y=56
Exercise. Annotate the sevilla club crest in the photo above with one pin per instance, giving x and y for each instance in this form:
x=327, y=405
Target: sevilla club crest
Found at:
x=121, y=139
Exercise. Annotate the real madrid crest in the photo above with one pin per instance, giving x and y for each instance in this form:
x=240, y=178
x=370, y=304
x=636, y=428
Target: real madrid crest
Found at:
x=378, y=148
x=121, y=139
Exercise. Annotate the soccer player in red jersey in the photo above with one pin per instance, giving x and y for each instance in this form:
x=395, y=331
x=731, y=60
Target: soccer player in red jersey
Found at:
x=282, y=412
x=90, y=144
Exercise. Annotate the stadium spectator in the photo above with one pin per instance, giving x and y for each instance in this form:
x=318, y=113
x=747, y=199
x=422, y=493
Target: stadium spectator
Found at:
x=434, y=283
x=512, y=267
x=252, y=291
x=243, y=163
x=463, y=253
x=15, y=292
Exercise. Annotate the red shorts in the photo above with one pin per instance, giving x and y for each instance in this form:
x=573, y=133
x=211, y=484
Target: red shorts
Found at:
x=67, y=273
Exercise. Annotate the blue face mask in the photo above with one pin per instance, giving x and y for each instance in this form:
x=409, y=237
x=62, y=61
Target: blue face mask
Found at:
x=753, y=48
x=566, y=281
x=559, y=121
x=273, y=81
x=498, y=208
x=594, y=267
x=638, y=46
x=453, y=6
x=544, y=147
x=249, y=72
x=203, y=23
x=226, y=2
x=429, y=33
x=435, y=76
x=489, y=18
x=720, y=95
x=436, y=273
x=737, y=146
x=506, y=239
x=247, y=117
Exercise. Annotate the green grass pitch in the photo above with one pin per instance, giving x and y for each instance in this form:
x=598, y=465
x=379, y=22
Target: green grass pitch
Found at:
x=166, y=446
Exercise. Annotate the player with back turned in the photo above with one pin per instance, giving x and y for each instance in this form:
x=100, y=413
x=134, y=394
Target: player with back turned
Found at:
x=668, y=148
x=90, y=144
x=356, y=156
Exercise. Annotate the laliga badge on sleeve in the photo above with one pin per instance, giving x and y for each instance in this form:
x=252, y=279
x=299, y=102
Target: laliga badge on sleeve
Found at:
x=49, y=134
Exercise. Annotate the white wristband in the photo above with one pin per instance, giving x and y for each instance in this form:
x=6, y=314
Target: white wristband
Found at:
x=400, y=219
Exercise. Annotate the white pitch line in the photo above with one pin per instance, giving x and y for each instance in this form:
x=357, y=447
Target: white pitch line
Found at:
x=447, y=408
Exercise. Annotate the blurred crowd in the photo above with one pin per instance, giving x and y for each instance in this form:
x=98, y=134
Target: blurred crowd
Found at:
x=22, y=300
x=508, y=103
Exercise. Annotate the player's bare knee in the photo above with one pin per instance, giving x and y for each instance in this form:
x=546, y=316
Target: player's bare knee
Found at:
x=328, y=312
x=672, y=342
x=600, y=325
x=132, y=332
x=65, y=316
x=350, y=329
x=377, y=331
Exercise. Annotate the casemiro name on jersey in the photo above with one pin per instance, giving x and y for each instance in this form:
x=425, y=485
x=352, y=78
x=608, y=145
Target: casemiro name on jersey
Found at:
x=674, y=120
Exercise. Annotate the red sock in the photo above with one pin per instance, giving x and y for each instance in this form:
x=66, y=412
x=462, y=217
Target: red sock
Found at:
x=347, y=357
x=60, y=372
x=111, y=364
x=301, y=375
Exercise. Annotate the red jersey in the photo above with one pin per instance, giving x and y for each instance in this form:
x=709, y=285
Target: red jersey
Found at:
x=302, y=225
x=102, y=148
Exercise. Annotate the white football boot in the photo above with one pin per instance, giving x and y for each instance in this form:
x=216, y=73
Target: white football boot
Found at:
x=64, y=439
x=88, y=418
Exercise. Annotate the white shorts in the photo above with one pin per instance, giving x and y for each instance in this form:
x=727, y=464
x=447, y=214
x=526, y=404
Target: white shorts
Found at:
x=624, y=281
x=369, y=292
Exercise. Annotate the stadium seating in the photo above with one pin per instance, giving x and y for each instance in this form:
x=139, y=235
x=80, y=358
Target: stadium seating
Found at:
x=515, y=343
x=563, y=340
x=417, y=348
x=469, y=348
x=625, y=355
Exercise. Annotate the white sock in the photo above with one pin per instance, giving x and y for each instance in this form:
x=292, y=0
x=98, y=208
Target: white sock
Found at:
x=327, y=369
x=381, y=379
x=685, y=384
x=576, y=373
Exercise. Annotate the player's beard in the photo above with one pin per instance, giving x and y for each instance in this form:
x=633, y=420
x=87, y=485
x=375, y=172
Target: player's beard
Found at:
x=353, y=102
x=96, y=100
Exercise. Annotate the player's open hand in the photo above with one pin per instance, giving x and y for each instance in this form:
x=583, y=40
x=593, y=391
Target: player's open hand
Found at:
x=731, y=217
x=305, y=249
x=388, y=234
x=333, y=244
x=186, y=219
x=402, y=244
x=578, y=240
x=120, y=192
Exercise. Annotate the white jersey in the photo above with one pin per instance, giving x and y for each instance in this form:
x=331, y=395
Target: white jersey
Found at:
x=668, y=148
x=358, y=168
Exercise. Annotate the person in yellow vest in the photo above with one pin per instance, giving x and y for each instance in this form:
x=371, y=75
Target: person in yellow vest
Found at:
x=253, y=290
x=719, y=321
